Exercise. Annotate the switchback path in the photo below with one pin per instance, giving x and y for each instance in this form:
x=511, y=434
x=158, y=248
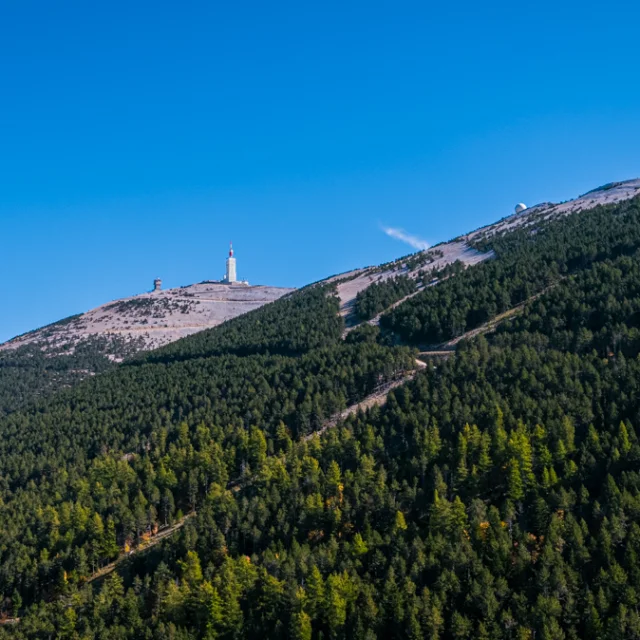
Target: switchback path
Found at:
x=448, y=348
x=159, y=537
x=444, y=350
x=377, y=398
x=375, y=321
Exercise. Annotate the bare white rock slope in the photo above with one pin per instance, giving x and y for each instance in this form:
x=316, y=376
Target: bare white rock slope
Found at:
x=149, y=320
x=607, y=194
x=437, y=257
x=350, y=284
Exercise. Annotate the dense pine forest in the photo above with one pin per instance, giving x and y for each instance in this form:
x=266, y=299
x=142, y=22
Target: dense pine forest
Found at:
x=495, y=495
x=530, y=261
x=29, y=372
x=381, y=295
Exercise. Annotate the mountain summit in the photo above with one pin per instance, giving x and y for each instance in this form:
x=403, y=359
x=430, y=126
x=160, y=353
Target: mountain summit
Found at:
x=66, y=352
x=468, y=468
x=148, y=320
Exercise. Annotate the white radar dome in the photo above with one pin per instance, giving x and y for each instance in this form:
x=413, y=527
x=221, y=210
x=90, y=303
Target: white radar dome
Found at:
x=520, y=207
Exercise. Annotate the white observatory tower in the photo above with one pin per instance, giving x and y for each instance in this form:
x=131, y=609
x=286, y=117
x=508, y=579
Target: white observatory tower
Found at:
x=231, y=267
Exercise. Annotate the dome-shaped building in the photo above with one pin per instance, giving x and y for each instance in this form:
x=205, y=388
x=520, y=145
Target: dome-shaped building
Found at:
x=520, y=207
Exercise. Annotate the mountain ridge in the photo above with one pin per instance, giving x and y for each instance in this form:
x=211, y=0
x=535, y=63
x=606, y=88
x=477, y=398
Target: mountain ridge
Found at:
x=491, y=494
x=153, y=318
x=140, y=318
x=466, y=248
x=63, y=353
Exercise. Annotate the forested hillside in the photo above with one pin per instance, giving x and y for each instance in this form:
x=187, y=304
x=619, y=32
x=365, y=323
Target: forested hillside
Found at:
x=60, y=355
x=496, y=495
x=28, y=373
x=380, y=296
x=530, y=260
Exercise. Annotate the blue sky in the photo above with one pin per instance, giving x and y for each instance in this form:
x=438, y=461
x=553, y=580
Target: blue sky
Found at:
x=137, y=139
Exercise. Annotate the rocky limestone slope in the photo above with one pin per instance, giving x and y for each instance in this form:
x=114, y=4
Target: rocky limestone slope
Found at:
x=62, y=354
x=606, y=194
x=461, y=249
x=148, y=320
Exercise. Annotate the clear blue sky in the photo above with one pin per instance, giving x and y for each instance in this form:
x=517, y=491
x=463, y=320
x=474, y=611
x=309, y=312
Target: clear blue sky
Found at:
x=137, y=139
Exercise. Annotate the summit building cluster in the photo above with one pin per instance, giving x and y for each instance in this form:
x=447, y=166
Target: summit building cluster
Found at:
x=230, y=276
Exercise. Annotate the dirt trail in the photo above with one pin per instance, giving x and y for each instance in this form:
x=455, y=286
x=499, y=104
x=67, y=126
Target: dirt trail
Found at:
x=156, y=327
x=4, y=621
x=375, y=321
x=159, y=537
x=441, y=353
x=353, y=322
x=449, y=347
x=377, y=398
x=444, y=350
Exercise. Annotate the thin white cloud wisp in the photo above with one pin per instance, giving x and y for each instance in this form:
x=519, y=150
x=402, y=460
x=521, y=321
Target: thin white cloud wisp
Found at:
x=403, y=236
